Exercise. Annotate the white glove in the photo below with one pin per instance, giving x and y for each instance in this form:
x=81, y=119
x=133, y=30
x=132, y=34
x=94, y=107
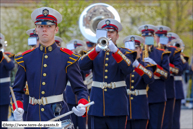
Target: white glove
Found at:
x=136, y=63
x=79, y=110
x=112, y=46
x=98, y=49
x=18, y=116
x=150, y=60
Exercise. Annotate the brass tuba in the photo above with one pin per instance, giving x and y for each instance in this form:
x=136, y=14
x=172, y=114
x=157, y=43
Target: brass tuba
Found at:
x=92, y=15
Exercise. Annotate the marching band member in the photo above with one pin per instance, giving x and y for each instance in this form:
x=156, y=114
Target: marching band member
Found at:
x=71, y=98
x=6, y=65
x=137, y=83
x=156, y=93
x=175, y=68
x=179, y=93
x=47, y=70
x=109, y=71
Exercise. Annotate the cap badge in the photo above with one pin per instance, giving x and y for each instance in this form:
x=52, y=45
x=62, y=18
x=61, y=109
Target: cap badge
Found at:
x=146, y=27
x=75, y=42
x=169, y=35
x=132, y=38
x=45, y=12
x=161, y=28
x=107, y=22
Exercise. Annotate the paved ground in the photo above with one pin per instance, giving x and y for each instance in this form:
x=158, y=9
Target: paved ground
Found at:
x=186, y=119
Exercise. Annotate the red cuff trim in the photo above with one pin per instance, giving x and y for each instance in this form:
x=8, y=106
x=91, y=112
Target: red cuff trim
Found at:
x=19, y=104
x=93, y=54
x=171, y=65
x=84, y=102
x=139, y=71
x=159, y=68
x=117, y=56
x=171, y=68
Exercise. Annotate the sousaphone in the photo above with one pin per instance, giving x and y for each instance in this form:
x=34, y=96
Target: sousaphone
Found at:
x=92, y=15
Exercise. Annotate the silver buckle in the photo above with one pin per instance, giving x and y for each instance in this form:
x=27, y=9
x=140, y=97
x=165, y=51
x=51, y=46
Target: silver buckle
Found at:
x=133, y=92
x=103, y=85
x=39, y=101
x=113, y=85
x=42, y=99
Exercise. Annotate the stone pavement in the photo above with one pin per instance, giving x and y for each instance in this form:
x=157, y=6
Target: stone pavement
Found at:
x=186, y=119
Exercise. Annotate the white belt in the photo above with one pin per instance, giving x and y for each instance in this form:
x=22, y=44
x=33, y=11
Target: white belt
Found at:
x=6, y=79
x=156, y=77
x=46, y=100
x=136, y=92
x=112, y=85
x=68, y=83
x=178, y=78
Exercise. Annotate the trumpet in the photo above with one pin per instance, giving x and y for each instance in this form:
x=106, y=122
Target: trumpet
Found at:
x=103, y=43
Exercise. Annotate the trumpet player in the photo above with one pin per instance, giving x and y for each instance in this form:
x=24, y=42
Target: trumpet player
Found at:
x=137, y=83
x=156, y=93
x=175, y=69
x=6, y=65
x=109, y=67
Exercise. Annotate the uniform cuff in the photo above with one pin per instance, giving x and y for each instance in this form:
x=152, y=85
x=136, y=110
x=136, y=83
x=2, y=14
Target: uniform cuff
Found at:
x=117, y=56
x=93, y=54
x=140, y=70
x=173, y=69
x=19, y=104
x=84, y=102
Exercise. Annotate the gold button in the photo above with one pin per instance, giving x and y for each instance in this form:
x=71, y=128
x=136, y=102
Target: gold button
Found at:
x=133, y=70
x=106, y=64
x=46, y=56
x=106, y=77
x=43, y=83
x=45, y=65
x=44, y=74
x=131, y=98
x=107, y=53
x=43, y=92
x=107, y=58
x=132, y=87
x=42, y=109
x=132, y=75
x=106, y=70
x=132, y=81
x=105, y=89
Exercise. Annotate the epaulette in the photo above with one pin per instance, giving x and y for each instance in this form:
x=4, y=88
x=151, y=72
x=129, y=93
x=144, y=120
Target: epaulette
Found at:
x=67, y=51
x=130, y=52
x=165, y=52
x=151, y=65
x=173, y=46
x=20, y=61
x=178, y=50
x=72, y=59
x=9, y=54
x=28, y=51
x=160, y=49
